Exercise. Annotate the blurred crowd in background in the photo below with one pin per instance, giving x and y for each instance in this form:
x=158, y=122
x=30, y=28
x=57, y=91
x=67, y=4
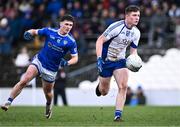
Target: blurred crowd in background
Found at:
x=92, y=16
x=135, y=97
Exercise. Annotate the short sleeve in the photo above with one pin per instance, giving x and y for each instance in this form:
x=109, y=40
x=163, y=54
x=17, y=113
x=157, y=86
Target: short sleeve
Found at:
x=113, y=30
x=43, y=31
x=136, y=39
x=73, y=49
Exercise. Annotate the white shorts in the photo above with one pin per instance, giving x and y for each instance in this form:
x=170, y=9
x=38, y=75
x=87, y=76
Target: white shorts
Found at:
x=45, y=74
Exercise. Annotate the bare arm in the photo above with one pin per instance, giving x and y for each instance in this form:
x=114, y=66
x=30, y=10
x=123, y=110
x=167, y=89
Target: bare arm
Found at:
x=73, y=60
x=133, y=50
x=99, y=45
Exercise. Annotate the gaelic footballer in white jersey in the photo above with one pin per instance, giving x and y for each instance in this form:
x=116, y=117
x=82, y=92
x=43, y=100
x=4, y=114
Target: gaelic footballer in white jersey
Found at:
x=119, y=37
x=111, y=55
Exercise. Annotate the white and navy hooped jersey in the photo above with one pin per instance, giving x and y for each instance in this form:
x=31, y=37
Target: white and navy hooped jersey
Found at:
x=55, y=48
x=119, y=37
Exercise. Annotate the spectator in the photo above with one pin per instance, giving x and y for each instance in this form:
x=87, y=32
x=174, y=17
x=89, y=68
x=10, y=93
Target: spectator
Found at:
x=22, y=61
x=140, y=96
x=86, y=11
x=59, y=87
x=177, y=33
x=157, y=27
x=82, y=46
x=54, y=6
x=129, y=96
x=174, y=13
x=5, y=37
x=15, y=24
x=77, y=11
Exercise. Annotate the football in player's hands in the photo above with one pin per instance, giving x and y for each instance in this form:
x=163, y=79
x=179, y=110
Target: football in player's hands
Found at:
x=134, y=62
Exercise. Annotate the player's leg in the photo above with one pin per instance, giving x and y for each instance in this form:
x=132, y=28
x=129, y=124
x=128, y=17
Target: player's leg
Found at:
x=103, y=86
x=121, y=77
x=48, y=92
x=28, y=76
x=104, y=80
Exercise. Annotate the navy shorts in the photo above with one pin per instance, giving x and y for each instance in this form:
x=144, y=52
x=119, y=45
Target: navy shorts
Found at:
x=110, y=66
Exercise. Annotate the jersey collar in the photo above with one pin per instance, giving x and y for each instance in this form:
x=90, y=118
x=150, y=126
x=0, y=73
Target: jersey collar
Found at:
x=127, y=25
x=61, y=34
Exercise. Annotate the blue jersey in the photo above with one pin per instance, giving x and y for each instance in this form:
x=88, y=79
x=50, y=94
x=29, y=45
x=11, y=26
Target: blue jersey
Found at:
x=56, y=46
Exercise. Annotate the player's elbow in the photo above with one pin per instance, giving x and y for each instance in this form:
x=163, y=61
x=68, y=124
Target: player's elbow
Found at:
x=75, y=59
x=100, y=39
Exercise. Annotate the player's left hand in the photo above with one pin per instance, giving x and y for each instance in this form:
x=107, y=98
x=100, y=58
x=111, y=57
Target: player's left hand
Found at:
x=63, y=63
x=100, y=62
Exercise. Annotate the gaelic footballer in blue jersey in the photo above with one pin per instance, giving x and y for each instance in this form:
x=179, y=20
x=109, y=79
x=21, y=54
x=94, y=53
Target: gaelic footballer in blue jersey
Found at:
x=111, y=49
x=47, y=62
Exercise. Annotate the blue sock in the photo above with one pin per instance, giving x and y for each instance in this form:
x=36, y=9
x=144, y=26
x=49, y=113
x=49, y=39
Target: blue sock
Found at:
x=118, y=113
x=10, y=99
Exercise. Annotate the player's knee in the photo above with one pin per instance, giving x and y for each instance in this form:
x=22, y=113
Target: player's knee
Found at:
x=28, y=76
x=48, y=93
x=22, y=83
x=123, y=88
x=104, y=93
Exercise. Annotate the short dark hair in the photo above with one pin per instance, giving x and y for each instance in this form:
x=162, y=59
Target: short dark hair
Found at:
x=67, y=17
x=131, y=8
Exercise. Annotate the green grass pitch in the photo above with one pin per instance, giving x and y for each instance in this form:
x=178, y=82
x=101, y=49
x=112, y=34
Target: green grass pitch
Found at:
x=90, y=116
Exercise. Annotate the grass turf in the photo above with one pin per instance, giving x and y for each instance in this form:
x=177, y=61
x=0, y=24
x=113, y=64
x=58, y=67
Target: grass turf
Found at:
x=91, y=116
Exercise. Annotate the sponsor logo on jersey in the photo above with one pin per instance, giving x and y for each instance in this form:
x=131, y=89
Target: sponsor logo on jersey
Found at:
x=55, y=47
x=127, y=33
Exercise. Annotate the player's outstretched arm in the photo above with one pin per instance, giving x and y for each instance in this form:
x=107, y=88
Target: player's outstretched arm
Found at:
x=73, y=60
x=28, y=35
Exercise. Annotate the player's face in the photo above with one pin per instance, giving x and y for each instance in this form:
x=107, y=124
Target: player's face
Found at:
x=65, y=27
x=133, y=18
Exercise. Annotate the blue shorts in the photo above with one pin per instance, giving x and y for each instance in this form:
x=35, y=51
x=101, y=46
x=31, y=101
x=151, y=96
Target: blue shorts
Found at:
x=110, y=66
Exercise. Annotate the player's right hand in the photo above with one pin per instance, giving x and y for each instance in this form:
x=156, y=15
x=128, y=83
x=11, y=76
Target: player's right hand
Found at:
x=100, y=62
x=28, y=36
